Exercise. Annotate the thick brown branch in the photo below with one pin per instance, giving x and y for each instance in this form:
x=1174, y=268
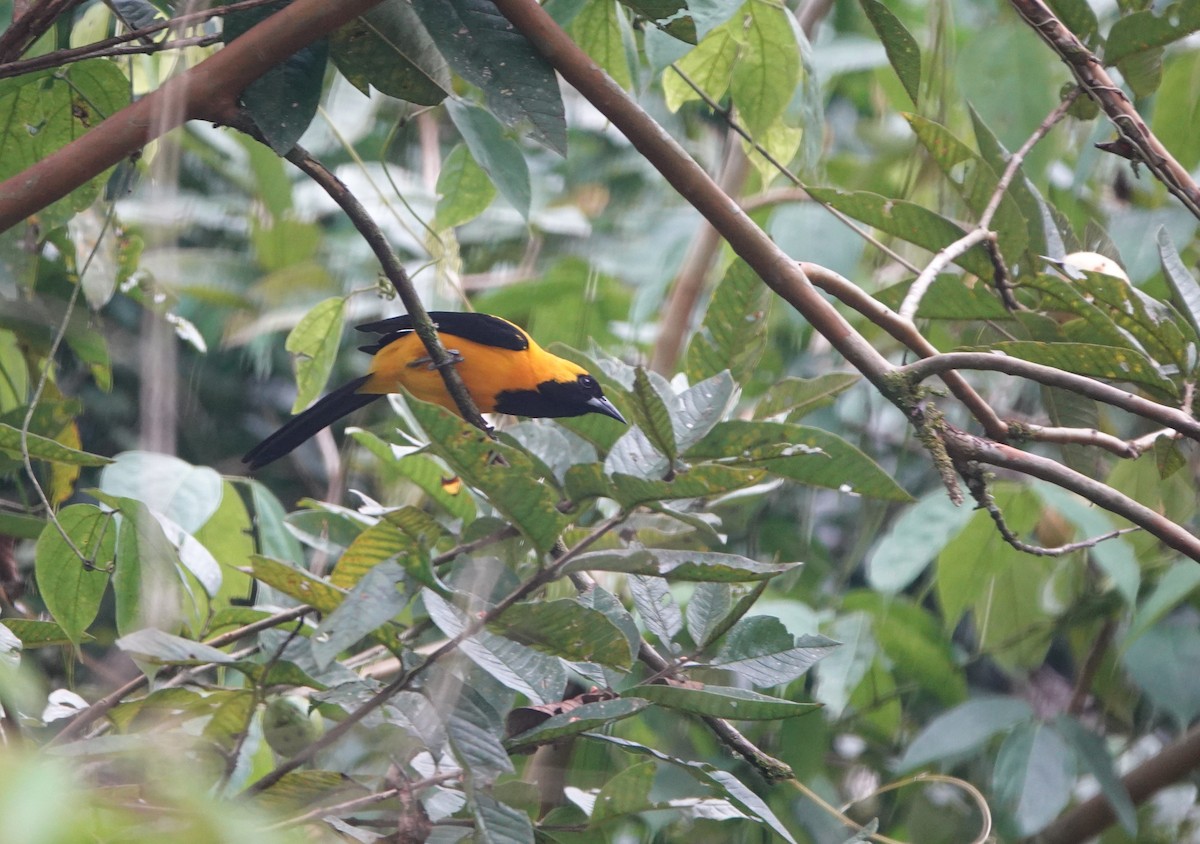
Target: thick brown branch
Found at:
x=208, y=91
x=773, y=266
x=964, y=448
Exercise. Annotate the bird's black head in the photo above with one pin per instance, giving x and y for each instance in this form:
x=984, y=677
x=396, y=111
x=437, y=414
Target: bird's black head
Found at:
x=557, y=398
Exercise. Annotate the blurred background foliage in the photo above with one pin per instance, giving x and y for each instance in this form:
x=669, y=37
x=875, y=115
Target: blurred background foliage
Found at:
x=204, y=262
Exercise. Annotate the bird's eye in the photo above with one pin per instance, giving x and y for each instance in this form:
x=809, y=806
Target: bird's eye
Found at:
x=587, y=382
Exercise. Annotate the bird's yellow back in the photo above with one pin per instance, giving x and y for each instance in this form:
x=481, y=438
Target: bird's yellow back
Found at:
x=486, y=370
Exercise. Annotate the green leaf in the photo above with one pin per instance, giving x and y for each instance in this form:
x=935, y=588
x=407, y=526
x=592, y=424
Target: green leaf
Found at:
x=1034, y=773
x=913, y=541
x=464, y=190
x=722, y=702
x=914, y=642
x=1091, y=751
x=1176, y=106
x=581, y=719
x=733, y=335
x=481, y=45
x=625, y=794
x=806, y=455
x=536, y=675
x=709, y=66
x=1183, y=283
x=706, y=610
x=472, y=730
x=313, y=344
x=567, y=629
x=975, y=182
x=844, y=669
x=760, y=649
x=504, y=474
x=725, y=783
x=1143, y=71
x=1003, y=587
x=146, y=583
x=389, y=48
x=601, y=30
x=963, y=730
x=375, y=599
x=70, y=587
x=901, y=47
x=1153, y=664
x=284, y=100
x=589, y=481
x=45, y=448
x=163, y=648
x=297, y=584
x=499, y=823
x=1176, y=585
x=908, y=221
x=1078, y=17
x=43, y=112
x=1140, y=31
x=273, y=537
x=799, y=396
x=499, y=156
x=39, y=634
x=678, y=565
x=671, y=16
x=767, y=69
x=187, y=495
x=649, y=412
x=1107, y=362
x=384, y=540
x=656, y=606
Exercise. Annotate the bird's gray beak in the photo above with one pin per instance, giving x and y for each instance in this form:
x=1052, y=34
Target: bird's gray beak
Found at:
x=600, y=404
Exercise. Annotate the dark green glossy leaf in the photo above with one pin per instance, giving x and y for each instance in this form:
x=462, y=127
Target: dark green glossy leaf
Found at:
x=589, y=481
x=566, y=628
x=486, y=50
x=504, y=474
x=389, y=48
x=1090, y=749
x=284, y=100
x=499, y=156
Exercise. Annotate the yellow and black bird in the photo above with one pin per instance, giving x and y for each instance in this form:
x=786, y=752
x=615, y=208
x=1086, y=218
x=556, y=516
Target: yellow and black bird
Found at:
x=504, y=370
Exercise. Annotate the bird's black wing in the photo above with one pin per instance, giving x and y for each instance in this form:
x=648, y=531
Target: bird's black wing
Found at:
x=484, y=329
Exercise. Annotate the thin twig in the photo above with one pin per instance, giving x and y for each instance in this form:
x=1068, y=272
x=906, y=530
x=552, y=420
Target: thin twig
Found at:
x=1094, y=79
x=981, y=232
x=102, y=706
x=115, y=46
x=902, y=330
x=477, y=623
x=1090, y=387
x=783, y=170
x=398, y=276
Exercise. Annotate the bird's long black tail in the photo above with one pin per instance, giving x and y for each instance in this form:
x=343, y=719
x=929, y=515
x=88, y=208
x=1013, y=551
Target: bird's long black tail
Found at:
x=344, y=400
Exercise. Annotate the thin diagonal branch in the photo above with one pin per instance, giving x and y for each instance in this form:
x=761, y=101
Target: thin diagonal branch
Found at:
x=981, y=232
x=1101, y=87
